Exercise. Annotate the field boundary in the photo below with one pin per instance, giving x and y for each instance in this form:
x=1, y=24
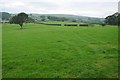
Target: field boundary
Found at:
x=65, y=24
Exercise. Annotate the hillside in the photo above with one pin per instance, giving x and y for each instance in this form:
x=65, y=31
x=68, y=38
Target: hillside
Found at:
x=68, y=16
x=73, y=17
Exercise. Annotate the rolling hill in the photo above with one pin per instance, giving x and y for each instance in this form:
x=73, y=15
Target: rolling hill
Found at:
x=68, y=16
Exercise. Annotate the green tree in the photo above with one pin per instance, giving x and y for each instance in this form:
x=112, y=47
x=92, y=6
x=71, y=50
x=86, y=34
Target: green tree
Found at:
x=19, y=19
x=30, y=20
x=113, y=19
x=43, y=19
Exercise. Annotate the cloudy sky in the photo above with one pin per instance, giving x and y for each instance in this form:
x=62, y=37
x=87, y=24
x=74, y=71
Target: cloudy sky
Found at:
x=93, y=8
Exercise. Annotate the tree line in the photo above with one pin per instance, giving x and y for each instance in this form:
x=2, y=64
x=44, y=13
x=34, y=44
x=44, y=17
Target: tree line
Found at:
x=23, y=17
x=52, y=18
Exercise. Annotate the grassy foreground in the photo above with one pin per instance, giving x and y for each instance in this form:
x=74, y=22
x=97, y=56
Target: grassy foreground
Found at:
x=40, y=51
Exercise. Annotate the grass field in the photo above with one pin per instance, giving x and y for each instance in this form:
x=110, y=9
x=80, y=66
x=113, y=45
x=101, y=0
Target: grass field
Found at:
x=0, y=51
x=40, y=51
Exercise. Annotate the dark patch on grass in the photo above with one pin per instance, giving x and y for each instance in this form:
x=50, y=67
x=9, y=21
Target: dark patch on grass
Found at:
x=57, y=77
x=25, y=55
x=98, y=51
x=104, y=51
x=39, y=60
x=59, y=41
x=63, y=49
x=10, y=67
x=93, y=43
x=109, y=57
x=65, y=67
x=108, y=42
x=36, y=61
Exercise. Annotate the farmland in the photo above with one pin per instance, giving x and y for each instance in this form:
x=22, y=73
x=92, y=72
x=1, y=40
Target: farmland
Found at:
x=43, y=51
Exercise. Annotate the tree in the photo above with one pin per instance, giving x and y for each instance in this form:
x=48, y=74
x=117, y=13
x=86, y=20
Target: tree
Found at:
x=74, y=20
x=30, y=20
x=53, y=18
x=42, y=19
x=19, y=19
x=13, y=19
x=113, y=19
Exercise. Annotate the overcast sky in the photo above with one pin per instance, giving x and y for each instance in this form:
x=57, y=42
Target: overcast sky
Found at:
x=92, y=8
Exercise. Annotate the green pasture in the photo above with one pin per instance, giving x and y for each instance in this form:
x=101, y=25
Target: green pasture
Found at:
x=43, y=51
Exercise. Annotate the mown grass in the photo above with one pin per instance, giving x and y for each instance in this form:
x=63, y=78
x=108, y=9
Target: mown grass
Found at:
x=40, y=51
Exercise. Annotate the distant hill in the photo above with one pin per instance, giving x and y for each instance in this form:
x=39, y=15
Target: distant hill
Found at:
x=70, y=17
x=73, y=17
x=5, y=16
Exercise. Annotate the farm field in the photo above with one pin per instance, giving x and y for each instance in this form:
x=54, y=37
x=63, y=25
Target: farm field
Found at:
x=42, y=51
